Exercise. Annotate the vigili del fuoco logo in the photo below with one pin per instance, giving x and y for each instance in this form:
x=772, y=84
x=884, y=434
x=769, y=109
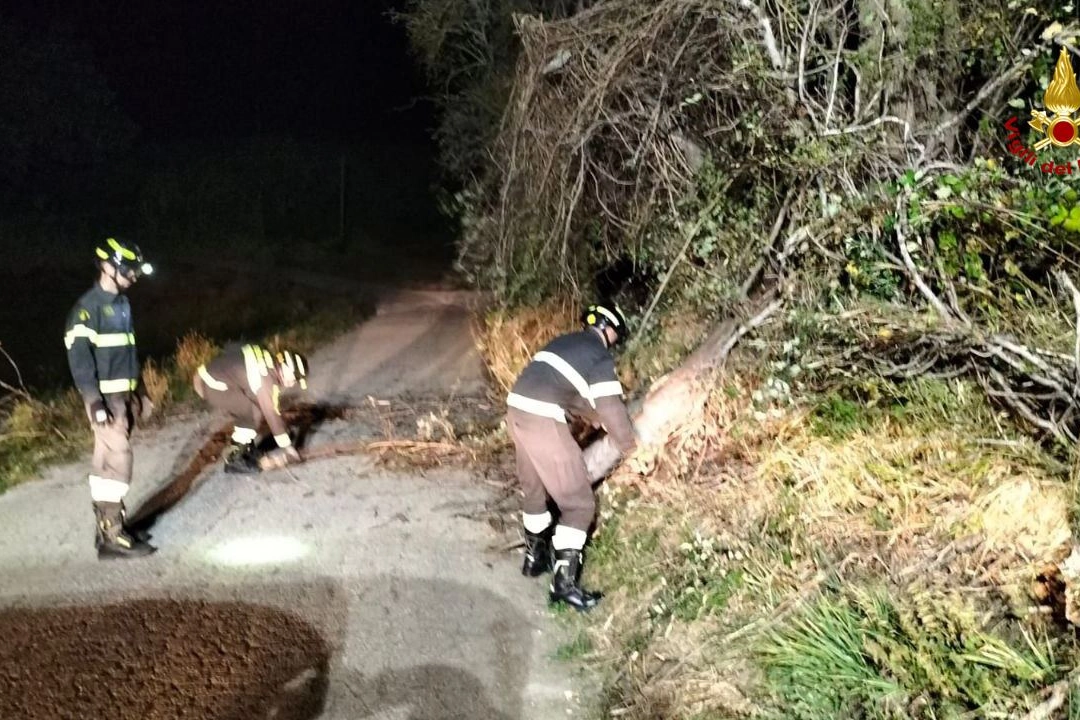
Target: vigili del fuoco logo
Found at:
x=1059, y=128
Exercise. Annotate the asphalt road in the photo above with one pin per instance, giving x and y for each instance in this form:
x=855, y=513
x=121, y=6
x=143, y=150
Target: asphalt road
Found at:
x=335, y=589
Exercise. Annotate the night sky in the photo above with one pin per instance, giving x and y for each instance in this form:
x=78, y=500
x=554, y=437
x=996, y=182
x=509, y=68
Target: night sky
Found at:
x=244, y=114
x=312, y=69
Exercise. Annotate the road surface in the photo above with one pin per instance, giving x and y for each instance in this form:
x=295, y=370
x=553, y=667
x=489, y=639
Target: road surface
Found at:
x=336, y=589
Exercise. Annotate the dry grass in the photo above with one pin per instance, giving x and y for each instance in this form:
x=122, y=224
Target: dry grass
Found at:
x=899, y=485
x=37, y=432
x=894, y=484
x=751, y=516
x=506, y=339
x=193, y=350
x=1026, y=515
x=170, y=382
x=673, y=676
x=156, y=382
x=436, y=426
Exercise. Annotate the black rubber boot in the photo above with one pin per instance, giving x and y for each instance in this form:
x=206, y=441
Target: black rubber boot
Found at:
x=241, y=460
x=537, y=553
x=564, y=584
x=112, y=540
x=140, y=535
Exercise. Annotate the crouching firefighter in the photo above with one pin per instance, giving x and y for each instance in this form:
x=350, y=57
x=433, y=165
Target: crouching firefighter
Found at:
x=246, y=381
x=572, y=375
x=100, y=341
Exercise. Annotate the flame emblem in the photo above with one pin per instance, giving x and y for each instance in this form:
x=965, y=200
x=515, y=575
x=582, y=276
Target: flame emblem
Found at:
x=1062, y=98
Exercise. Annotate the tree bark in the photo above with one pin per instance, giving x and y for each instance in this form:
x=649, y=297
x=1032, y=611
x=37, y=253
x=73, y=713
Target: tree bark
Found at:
x=678, y=398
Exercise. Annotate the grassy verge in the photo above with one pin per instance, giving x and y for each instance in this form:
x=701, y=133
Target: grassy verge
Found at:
x=874, y=555
x=40, y=429
x=835, y=560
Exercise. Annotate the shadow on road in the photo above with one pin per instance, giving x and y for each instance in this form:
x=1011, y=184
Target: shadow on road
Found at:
x=420, y=649
x=190, y=463
x=161, y=659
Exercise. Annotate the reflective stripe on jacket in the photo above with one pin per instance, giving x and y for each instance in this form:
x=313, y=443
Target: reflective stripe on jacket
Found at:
x=250, y=370
x=575, y=374
x=100, y=341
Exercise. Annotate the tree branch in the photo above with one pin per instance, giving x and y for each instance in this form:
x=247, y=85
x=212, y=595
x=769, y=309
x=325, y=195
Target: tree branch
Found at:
x=1064, y=278
x=1018, y=68
x=913, y=272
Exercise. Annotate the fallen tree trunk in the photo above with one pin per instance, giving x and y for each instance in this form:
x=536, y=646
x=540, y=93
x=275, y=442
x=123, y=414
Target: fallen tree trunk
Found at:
x=679, y=397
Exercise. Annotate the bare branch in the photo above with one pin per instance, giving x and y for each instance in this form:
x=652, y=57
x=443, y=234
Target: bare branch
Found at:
x=1057, y=380
x=751, y=324
x=767, y=32
x=21, y=390
x=828, y=132
x=690, y=235
x=1064, y=278
x=912, y=271
x=1010, y=76
x=1020, y=406
x=808, y=21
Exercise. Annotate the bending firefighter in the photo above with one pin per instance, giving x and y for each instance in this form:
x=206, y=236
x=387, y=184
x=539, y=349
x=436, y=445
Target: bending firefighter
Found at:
x=246, y=381
x=574, y=374
x=100, y=341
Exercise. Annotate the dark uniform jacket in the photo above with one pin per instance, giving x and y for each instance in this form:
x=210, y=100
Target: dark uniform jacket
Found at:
x=100, y=341
x=575, y=374
x=251, y=371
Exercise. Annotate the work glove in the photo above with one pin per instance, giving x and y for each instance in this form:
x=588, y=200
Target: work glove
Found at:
x=279, y=458
x=100, y=414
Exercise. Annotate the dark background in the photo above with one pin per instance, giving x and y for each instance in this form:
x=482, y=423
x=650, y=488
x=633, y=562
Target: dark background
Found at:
x=250, y=137
x=323, y=69
x=145, y=106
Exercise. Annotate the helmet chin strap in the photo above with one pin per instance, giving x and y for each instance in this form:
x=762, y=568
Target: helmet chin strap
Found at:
x=110, y=272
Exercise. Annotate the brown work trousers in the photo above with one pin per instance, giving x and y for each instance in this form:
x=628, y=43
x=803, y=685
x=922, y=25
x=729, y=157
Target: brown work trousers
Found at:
x=233, y=402
x=549, y=462
x=112, y=441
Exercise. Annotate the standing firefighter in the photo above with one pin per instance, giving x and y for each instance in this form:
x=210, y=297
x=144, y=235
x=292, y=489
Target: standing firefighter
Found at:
x=100, y=343
x=572, y=375
x=246, y=381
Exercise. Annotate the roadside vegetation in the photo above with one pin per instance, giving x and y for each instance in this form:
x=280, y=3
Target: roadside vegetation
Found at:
x=886, y=552
x=868, y=510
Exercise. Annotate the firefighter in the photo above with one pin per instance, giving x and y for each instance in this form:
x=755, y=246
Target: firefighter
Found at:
x=246, y=381
x=573, y=375
x=100, y=341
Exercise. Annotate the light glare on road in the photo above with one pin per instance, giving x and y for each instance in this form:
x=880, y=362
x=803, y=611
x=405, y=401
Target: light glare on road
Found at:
x=258, y=551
